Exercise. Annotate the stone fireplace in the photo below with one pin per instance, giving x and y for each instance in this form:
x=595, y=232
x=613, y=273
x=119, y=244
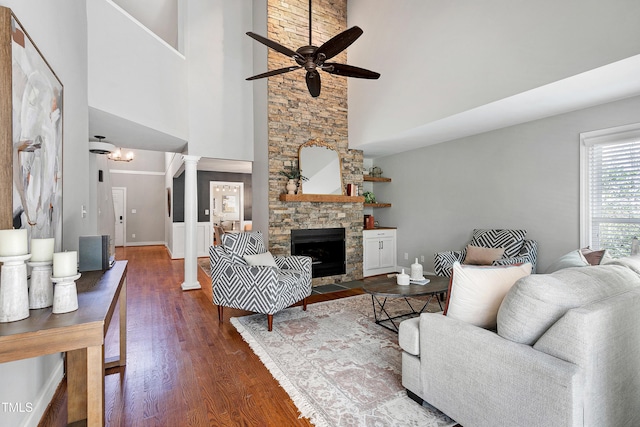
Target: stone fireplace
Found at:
x=294, y=117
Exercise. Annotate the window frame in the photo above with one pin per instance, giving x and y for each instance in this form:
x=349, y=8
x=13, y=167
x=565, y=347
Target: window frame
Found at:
x=614, y=135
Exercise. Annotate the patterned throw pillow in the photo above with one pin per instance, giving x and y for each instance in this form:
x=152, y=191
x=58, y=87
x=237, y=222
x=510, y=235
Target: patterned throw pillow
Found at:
x=240, y=244
x=510, y=240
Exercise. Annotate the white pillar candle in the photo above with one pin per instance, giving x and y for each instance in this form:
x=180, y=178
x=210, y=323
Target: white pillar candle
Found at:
x=41, y=250
x=13, y=242
x=65, y=264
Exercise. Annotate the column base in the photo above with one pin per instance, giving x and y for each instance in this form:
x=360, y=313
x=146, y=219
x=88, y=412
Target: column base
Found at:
x=190, y=286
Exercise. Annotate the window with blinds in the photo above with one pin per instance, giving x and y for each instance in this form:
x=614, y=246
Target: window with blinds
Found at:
x=612, y=182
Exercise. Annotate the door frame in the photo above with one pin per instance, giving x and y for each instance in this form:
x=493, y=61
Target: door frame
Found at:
x=212, y=185
x=124, y=215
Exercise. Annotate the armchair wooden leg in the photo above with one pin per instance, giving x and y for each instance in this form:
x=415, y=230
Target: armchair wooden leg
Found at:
x=270, y=321
x=304, y=304
x=220, y=311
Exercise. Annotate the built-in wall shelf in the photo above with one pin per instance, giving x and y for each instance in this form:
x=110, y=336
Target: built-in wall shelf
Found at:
x=376, y=178
x=377, y=205
x=323, y=198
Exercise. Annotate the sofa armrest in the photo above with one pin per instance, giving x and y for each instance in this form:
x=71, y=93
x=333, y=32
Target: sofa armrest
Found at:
x=443, y=262
x=464, y=368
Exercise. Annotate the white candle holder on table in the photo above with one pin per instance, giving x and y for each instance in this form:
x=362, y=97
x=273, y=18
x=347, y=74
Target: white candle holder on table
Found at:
x=14, y=288
x=65, y=295
x=40, y=286
x=65, y=274
x=41, y=263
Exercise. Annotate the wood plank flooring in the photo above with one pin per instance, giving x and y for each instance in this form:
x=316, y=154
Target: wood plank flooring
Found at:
x=184, y=368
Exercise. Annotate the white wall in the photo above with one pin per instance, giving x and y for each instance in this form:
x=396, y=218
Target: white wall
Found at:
x=440, y=58
x=524, y=176
x=133, y=74
x=59, y=30
x=220, y=100
x=159, y=16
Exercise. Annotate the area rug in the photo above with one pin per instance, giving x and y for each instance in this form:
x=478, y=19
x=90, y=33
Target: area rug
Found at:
x=338, y=366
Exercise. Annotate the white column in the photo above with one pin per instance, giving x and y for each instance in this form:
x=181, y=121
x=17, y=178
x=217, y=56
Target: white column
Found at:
x=190, y=223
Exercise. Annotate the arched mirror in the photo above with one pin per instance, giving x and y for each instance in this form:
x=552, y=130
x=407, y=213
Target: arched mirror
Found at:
x=320, y=163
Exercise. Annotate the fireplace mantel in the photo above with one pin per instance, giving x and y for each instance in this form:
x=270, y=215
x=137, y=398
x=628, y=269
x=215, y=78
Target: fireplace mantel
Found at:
x=324, y=198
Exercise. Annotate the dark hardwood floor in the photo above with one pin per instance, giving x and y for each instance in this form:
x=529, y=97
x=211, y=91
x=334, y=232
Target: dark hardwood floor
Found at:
x=184, y=368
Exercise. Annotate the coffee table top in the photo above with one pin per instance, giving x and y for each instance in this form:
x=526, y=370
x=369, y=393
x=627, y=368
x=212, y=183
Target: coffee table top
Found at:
x=389, y=288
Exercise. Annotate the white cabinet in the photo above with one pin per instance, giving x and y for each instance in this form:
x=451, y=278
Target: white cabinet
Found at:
x=379, y=251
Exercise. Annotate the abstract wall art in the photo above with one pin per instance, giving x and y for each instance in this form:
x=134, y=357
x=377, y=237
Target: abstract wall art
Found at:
x=36, y=135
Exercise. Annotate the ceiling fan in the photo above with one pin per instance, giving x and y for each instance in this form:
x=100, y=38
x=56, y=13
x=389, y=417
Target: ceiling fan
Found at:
x=313, y=58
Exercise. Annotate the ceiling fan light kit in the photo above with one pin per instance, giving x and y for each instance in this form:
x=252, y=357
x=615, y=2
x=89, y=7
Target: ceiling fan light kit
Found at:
x=312, y=58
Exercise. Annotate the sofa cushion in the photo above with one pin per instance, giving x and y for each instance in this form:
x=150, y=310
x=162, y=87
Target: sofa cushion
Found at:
x=536, y=302
x=476, y=292
x=477, y=255
x=632, y=262
x=409, y=336
x=510, y=240
x=572, y=259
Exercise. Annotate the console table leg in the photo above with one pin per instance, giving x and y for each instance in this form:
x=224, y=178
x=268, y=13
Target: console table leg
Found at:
x=95, y=386
x=76, y=385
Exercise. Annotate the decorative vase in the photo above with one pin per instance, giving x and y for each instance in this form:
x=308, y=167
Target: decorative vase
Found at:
x=292, y=186
x=416, y=271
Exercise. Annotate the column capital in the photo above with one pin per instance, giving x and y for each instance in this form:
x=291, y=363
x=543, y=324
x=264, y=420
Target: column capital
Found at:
x=190, y=159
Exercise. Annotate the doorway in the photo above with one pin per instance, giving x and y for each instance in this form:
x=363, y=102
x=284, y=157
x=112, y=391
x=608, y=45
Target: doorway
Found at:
x=120, y=211
x=226, y=206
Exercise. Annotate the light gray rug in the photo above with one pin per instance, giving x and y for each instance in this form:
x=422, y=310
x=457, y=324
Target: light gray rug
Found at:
x=338, y=366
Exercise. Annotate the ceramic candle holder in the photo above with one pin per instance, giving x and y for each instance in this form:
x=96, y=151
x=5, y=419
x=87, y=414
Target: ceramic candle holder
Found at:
x=14, y=289
x=65, y=294
x=40, y=286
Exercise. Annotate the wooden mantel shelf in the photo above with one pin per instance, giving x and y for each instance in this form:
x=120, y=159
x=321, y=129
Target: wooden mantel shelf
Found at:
x=376, y=178
x=325, y=198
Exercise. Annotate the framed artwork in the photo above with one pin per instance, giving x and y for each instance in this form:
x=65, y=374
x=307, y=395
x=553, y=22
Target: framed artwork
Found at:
x=168, y=201
x=229, y=204
x=33, y=143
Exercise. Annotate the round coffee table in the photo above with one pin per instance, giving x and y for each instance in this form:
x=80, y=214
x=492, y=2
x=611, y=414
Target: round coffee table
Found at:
x=380, y=291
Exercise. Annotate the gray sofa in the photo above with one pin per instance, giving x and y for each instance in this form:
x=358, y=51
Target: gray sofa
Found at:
x=566, y=353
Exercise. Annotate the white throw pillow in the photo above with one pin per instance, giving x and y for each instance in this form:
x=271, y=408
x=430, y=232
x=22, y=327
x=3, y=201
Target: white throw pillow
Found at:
x=264, y=258
x=476, y=292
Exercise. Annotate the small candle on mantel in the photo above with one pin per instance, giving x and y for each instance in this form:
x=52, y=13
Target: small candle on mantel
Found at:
x=65, y=264
x=13, y=242
x=42, y=250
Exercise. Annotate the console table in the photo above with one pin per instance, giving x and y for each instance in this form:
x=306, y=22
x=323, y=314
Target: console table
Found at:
x=81, y=335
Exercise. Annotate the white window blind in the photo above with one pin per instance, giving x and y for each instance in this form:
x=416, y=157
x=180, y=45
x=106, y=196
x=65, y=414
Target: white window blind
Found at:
x=613, y=182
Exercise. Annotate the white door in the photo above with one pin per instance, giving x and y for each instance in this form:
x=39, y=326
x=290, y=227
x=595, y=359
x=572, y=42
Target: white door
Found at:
x=119, y=198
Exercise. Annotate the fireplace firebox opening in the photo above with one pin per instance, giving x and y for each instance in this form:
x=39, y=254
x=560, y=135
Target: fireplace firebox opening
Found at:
x=325, y=246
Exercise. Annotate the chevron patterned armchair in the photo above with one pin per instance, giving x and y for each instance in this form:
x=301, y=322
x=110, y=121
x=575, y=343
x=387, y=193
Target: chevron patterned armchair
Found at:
x=517, y=249
x=264, y=289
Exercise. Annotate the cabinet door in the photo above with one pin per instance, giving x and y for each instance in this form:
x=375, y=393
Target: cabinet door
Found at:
x=387, y=251
x=371, y=253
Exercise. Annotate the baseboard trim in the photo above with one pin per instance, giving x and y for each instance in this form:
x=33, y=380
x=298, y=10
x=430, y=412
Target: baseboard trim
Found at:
x=44, y=398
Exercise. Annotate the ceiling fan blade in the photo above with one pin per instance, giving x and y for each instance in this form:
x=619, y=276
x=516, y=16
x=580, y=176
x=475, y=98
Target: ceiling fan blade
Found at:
x=313, y=83
x=274, y=45
x=274, y=72
x=339, y=43
x=349, y=71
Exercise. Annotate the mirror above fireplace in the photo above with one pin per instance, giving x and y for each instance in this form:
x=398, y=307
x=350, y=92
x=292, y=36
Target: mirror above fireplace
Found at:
x=320, y=163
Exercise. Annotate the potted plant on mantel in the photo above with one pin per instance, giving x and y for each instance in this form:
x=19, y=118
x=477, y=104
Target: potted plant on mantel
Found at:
x=294, y=175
